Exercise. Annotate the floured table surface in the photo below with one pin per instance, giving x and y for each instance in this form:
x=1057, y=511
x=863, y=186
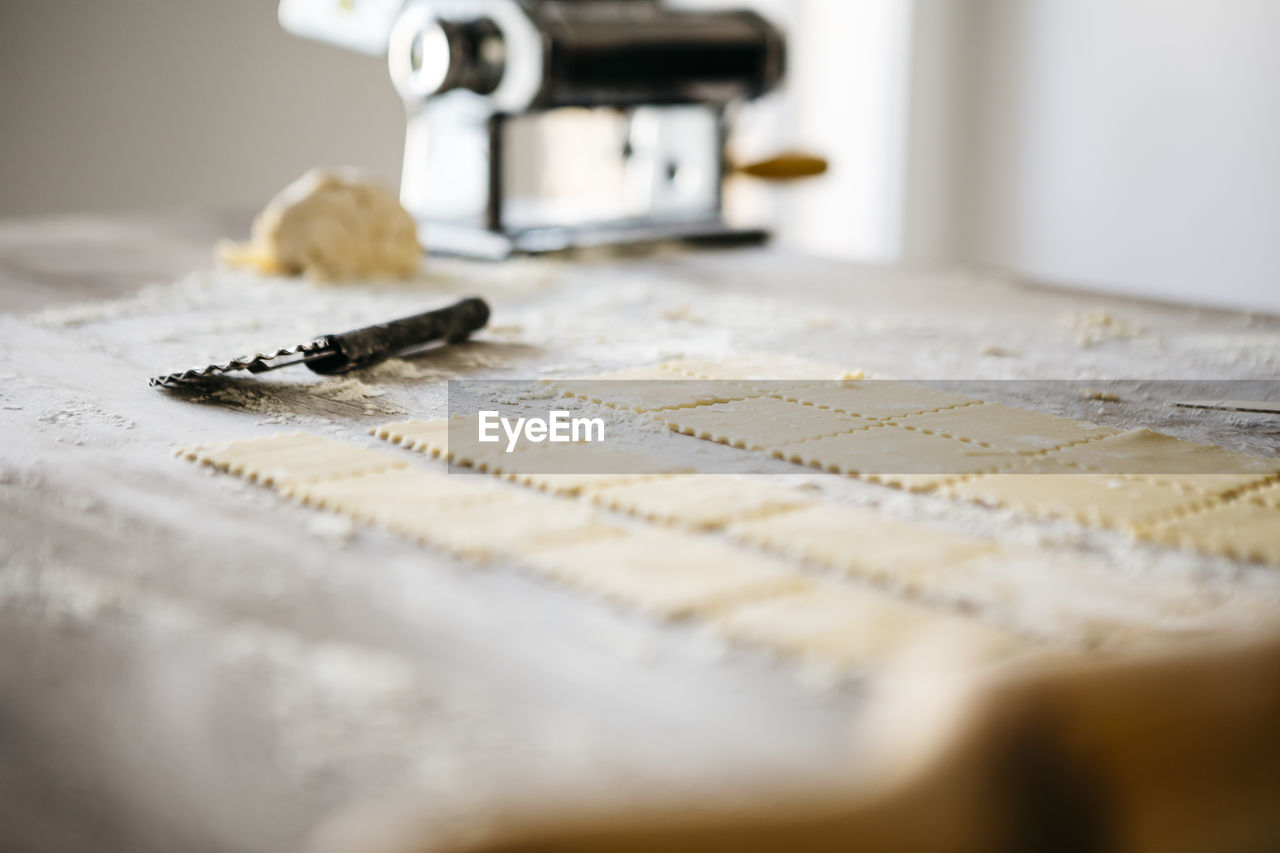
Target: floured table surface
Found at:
x=194, y=663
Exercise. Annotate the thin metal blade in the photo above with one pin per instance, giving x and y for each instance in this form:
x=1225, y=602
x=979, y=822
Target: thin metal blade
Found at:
x=257, y=363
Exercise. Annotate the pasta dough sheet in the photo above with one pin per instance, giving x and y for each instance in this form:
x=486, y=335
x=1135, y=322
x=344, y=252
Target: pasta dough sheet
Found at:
x=1104, y=500
x=291, y=459
x=764, y=598
x=668, y=574
x=873, y=399
x=760, y=423
x=1005, y=427
x=852, y=629
x=700, y=501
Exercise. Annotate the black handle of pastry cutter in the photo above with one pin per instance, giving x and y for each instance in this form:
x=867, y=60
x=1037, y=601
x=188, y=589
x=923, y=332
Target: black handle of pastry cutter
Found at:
x=372, y=344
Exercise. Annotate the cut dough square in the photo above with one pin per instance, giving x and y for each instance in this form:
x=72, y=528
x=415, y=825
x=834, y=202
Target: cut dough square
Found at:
x=1171, y=461
x=409, y=511
x=1106, y=500
x=853, y=629
x=292, y=459
x=559, y=469
x=875, y=399
x=457, y=439
x=368, y=495
x=700, y=501
x=652, y=371
x=895, y=456
x=430, y=437
x=579, y=458
x=759, y=423
x=244, y=450
x=512, y=528
x=1268, y=496
x=576, y=485
x=1005, y=427
x=1243, y=529
x=650, y=393
x=665, y=573
x=922, y=560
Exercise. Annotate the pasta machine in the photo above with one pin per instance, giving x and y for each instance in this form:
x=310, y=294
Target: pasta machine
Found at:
x=540, y=125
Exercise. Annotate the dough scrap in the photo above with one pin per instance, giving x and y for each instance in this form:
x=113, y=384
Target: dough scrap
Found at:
x=700, y=501
x=875, y=399
x=852, y=629
x=898, y=457
x=291, y=459
x=1126, y=502
x=668, y=574
x=331, y=225
x=1005, y=427
x=1242, y=529
x=1171, y=461
x=923, y=561
x=759, y=423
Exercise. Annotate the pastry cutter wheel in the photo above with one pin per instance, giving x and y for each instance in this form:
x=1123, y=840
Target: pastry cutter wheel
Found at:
x=352, y=350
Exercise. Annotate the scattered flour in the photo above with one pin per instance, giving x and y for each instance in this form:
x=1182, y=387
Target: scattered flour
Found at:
x=1095, y=327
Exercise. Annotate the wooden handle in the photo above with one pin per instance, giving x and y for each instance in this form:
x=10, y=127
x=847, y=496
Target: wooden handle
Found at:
x=788, y=166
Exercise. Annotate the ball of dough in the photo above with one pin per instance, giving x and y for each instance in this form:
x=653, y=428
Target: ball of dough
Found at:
x=331, y=225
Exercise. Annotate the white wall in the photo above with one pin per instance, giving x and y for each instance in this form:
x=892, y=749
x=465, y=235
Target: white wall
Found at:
x=110, y=104
x=1126, y=145
x=844, y=98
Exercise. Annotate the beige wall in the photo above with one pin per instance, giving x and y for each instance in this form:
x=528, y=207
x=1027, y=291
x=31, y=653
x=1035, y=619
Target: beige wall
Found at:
x=111, y=104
